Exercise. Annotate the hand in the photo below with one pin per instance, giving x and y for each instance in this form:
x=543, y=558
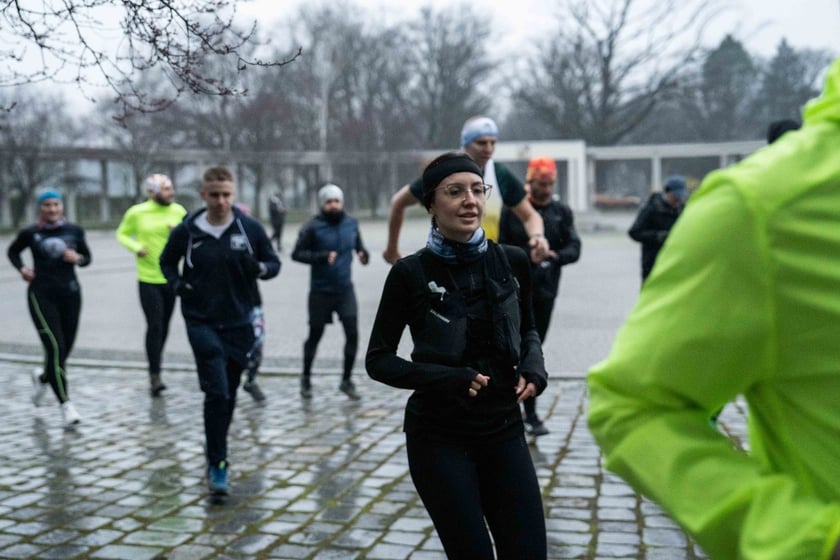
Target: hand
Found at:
x=547, y=257
x=27, y=274
x=364, y=257
x=183, y=288
x=331, y=257
x=478, y=383
x=71, y=256
x=142, y=252
x=539, y=248
x=391, y=255
x=525, y=389
x=250, y=265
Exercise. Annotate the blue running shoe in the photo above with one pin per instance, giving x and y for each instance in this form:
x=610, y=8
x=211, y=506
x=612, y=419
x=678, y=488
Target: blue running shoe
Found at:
x=217, y=479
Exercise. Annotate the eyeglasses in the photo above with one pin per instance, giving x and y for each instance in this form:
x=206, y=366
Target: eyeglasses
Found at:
x=456, y=191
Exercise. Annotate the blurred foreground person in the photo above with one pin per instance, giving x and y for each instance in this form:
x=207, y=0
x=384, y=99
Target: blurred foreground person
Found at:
x=743, y=300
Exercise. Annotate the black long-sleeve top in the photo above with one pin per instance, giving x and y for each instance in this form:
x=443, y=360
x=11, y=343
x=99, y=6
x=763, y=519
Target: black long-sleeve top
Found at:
x=562, y=237
x=440, y=408
x=47, y=244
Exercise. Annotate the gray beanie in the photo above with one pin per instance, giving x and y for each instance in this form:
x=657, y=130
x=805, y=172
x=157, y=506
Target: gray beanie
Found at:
x=329, y=192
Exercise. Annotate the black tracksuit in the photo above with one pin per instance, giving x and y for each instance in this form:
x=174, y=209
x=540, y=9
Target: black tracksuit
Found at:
x=218, y=288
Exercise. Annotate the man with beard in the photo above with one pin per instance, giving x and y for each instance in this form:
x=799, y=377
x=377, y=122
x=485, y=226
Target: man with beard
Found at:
x=144, y=231
x=327, y=242
x=564, y=245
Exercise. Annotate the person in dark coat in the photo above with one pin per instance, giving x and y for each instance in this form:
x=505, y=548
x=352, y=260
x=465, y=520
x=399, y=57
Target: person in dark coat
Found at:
x=328, y=242
x=564, y=245
x=656, y=218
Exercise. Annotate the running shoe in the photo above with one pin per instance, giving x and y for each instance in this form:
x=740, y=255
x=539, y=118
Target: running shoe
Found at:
x=349, y=389
x=305, y=388
x=535, y=427
x=157, y=386
x=39, y=388
x=253, y=389
x=70, y=416
x=217, y=479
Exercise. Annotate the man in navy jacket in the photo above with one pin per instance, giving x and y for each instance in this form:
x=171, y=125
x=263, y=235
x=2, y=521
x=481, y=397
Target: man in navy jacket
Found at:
x=224, y=252
x=327, y=242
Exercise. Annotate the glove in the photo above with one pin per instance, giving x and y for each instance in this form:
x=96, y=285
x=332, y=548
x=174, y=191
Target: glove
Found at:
x=250, y=265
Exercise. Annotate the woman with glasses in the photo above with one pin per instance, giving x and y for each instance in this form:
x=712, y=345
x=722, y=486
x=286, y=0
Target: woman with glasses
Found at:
x=476, y=356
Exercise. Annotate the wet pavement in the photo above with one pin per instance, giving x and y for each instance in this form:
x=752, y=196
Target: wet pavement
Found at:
x=325, y=479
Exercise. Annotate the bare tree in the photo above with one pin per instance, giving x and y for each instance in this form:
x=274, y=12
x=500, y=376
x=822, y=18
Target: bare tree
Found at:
x=72, y=41
x=610, y=64
x=451, y=71
x=39, y=122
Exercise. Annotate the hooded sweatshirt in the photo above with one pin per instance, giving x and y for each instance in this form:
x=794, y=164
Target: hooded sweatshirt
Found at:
x=218, y=285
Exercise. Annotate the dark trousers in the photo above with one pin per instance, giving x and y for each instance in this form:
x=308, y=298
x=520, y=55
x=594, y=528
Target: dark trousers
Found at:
x=543, y=307
x=220, y=357
x=463, y=485
x=277, y=230
x=56, y=317
x=321, y=307
x=158, y=302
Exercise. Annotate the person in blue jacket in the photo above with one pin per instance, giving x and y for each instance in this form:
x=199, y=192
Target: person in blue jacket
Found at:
x=224, y=252
x=328, y=242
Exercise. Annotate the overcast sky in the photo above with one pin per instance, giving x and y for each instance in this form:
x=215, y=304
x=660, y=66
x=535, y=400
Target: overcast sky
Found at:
x=759, y=24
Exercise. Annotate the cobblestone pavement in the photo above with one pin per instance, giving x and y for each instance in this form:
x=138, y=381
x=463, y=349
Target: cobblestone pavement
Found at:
x=326, y=479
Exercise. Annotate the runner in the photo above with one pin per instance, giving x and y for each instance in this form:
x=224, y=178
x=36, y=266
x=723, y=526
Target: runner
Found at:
x=54, y=294
x=144, y=230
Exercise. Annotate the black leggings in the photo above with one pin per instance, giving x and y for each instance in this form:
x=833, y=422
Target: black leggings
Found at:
x=543, y=306
x=321, y=308
x=56, y=317
x=158, y=302
x=464, y=485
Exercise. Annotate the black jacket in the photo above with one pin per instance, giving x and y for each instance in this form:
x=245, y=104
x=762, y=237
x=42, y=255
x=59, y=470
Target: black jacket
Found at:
x=431, y=298
x=654, y=221
x=218, y=284
x=559, y=227
x=316, y=239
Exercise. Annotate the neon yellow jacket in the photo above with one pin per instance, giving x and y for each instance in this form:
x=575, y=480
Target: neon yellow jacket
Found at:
x=147, y=226
x=744, y=299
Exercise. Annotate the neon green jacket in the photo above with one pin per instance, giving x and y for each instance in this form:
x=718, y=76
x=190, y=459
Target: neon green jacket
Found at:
x=147, y=226
x=744, y=299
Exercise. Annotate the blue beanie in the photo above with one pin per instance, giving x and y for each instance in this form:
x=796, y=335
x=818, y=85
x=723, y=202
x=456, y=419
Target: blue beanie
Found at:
x=477, y=127
x=46, y=195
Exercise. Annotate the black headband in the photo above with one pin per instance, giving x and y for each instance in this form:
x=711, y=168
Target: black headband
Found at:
x=442, y=168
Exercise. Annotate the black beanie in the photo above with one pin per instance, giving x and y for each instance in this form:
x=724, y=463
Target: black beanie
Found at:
x=442, y=167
